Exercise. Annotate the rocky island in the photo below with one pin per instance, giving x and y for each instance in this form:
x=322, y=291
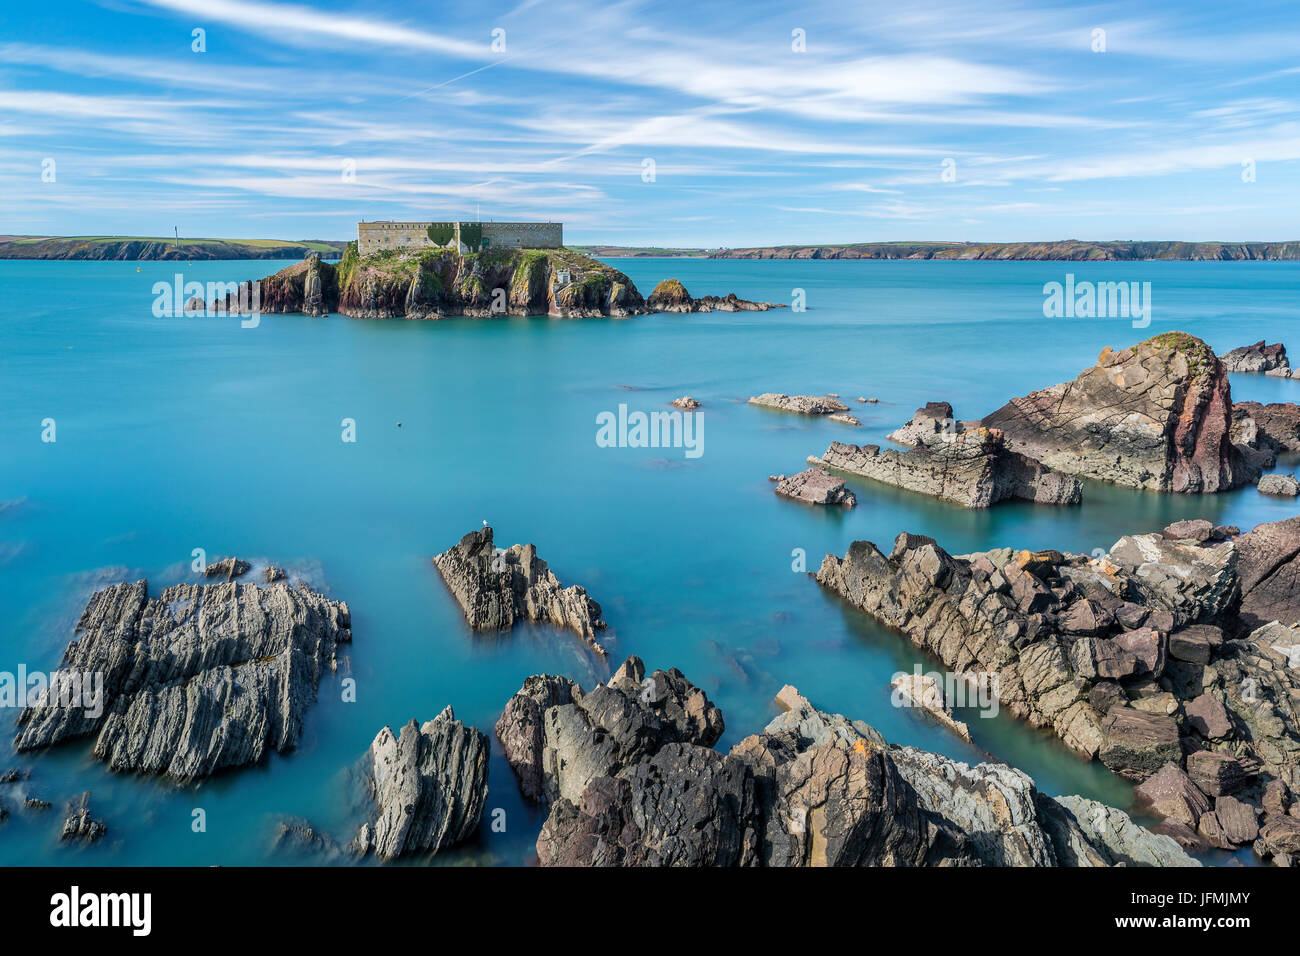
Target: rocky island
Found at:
x=439, y=282
x=1260, y=357
x=496, y=587
x=201, y=678
x=671, y=296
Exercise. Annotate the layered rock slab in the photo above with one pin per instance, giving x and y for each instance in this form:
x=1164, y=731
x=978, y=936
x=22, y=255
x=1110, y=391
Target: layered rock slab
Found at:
x=199, y=679
x=429, y=786
x=1155, y=416
x=497, y=587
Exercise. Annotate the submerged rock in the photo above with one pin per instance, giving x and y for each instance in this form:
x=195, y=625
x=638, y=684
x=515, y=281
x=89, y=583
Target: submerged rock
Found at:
x=429, y=786
x=200, y=679
x=924, y=691
x=1153, y=416
x=799, y=404
x=816, y=487
x=972, y=469
x=495, y=588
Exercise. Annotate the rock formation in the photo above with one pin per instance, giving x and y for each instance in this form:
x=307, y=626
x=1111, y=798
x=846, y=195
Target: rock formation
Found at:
x=1283, y=486
x=429, y=786
x=1269, y=569
x=1275, y=426
x=816, y=487
x=199, y=679
x=1270, y=359
x=671, y=296
x=633, y=781
x=973, y=469
x=799, y=404
x=1155, y=416
x=924, y=691
x=1160, y=653
x=685, y=402
x=497, y=587
x=81, y=824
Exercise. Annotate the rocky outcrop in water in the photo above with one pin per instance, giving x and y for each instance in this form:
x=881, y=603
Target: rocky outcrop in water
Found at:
x=81, y=824
x=671, y=296
x=1281, y=486
x=429, y=786
x=812, y=789
x=816, y=487
x=1151, y=655
x=1269, y=359
x=1155, y=416
x=199, y=679
x=799, y=404
x=497, y=587
x=972, y=468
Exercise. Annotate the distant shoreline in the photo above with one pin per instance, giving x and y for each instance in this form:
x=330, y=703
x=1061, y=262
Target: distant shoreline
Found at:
x=139, y=249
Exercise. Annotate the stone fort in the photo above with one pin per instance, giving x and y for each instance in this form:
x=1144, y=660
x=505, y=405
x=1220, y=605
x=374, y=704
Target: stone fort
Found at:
x=375, y=237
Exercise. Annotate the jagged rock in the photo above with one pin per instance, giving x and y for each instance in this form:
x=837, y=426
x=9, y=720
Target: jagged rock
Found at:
x=558, y=738
x=799, y=404
x=13, y=775
x=1258, y=358
x=1197, y=530
x=671, y=296
x=1195, y=583
x=1196, y=643
x=1136, y=744
x=1215, y=773
x=199, y=679
x=1283, y=486
x=682, y=806
x=928, y=425
x=36, y=803
x=685, y=402
x=227, y=569
x=81, y=824
x=1279, y=836
x=816, y=487
x=495, y=588
x=273, y=574
x=924, y=691
x=972, y=469
x=520, y=727
x=1154, y=416
x=1171, y=793
x=1113, y=833
x=1274, y=427
x=816, y=789
x=1208, y=717
x=1269, y=568
x=429, y=786
x=1237, y=820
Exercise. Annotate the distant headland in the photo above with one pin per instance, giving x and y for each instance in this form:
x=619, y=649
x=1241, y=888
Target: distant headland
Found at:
x=141, y=248
x=476, y=237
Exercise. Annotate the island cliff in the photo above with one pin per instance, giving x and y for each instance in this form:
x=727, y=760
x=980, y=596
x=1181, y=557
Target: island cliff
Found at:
x=434, y=283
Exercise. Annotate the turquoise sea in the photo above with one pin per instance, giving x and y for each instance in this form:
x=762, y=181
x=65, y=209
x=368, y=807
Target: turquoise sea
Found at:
x=183, y=433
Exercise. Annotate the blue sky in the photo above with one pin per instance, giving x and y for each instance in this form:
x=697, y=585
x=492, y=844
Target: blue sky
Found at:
x=300, y=119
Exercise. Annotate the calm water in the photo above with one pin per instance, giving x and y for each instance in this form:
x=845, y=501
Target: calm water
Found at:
x=176, y=434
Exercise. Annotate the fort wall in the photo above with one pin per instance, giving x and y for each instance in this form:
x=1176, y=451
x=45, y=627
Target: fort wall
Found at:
x=375, y=237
